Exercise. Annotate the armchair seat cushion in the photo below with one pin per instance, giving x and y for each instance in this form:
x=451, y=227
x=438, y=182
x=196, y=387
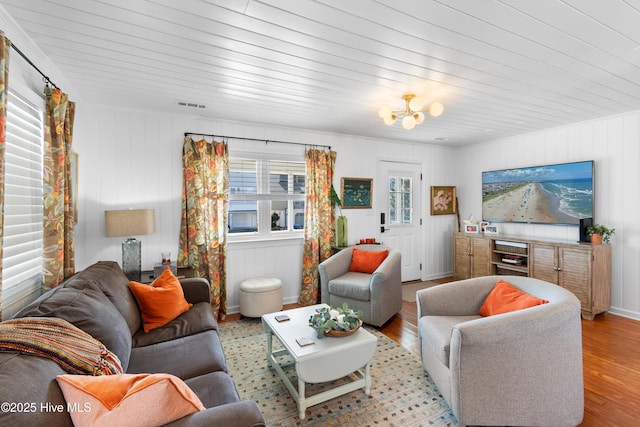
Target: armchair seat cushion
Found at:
x=352, y=285
x=436, y=332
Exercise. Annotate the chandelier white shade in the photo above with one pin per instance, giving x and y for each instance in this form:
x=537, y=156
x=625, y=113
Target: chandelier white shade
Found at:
x=413, y=112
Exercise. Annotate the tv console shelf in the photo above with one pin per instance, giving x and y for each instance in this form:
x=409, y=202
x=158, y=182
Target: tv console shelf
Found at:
x=582, y=268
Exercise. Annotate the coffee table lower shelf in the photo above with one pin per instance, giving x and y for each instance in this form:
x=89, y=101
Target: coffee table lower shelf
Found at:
x=299, y=394
x=326, y=360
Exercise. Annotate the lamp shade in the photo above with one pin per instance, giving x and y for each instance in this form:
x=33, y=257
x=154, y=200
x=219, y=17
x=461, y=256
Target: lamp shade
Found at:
x=131, y=222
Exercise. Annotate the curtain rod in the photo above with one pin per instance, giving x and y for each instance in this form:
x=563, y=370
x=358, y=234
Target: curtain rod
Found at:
x=255, y=139
x=47, y=80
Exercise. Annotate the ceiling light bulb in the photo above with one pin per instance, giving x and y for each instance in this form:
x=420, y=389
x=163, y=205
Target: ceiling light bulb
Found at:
x=419, y=118
x=416, y=103
x=408, y=122
x=390, y=120
x=436, y=109
x=384, y=111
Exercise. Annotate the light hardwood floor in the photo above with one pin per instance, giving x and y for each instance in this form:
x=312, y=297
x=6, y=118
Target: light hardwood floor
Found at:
x=611, y=347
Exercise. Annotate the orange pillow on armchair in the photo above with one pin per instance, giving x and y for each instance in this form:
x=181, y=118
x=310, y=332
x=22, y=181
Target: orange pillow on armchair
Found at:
x=367, y=261
x=505, y=297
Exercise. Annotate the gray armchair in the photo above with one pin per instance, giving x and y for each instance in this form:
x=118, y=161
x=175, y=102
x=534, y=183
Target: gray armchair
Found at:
x=517, y=368
x=378, y=295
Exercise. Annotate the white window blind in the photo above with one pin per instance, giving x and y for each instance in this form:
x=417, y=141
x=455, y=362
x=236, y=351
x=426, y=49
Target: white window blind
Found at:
x=22, y=239
x=266, y=196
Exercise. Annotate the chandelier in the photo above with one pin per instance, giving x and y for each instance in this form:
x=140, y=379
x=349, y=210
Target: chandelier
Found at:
x=413, y=112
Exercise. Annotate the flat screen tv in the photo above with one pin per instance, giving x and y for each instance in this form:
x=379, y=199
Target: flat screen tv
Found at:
x=559, y=194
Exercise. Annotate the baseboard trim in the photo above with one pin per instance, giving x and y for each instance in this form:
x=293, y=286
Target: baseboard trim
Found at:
x=625, y=313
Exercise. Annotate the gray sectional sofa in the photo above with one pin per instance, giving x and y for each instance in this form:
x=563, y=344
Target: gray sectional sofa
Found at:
x=98, y=301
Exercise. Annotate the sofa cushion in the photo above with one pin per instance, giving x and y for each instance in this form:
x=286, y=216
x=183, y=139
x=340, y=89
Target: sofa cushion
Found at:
x=436, y=333
x=505, y=298
x=351, y=285
x=108, y=276
x=31, y=380
x=214, y=389
x=367, y=261
x=198, y=319
x=199, y=354
x=87, y=309
x=160, y=302
x=116, y=400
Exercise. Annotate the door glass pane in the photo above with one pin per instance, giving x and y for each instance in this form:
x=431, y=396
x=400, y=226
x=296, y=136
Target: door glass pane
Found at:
x=400, y=200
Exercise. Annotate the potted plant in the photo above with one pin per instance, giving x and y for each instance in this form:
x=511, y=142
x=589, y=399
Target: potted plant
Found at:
x=600, y=234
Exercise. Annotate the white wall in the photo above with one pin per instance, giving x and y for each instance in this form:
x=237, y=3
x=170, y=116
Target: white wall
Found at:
x=132, y=159
x=614, y=144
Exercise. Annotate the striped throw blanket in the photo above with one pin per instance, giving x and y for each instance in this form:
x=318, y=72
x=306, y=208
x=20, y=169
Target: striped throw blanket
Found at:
x=74, y=350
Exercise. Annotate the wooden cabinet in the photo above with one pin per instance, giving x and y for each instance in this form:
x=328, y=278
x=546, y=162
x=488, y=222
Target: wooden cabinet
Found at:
x=582, y=269
x=471, y=256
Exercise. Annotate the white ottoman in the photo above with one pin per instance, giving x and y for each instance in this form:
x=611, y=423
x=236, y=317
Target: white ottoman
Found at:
x=260, y=295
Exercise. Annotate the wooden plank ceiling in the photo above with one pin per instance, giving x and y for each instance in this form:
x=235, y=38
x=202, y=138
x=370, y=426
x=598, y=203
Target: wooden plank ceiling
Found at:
x=499, y=67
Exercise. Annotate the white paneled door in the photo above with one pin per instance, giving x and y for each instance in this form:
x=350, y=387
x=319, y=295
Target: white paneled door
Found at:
x=399, y=191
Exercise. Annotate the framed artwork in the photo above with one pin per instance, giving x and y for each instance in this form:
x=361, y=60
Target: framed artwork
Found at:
x=471, y=228
x=74, y=185
x=356, y=193
x=491, y=229
x=483, y=225
x=443, y=200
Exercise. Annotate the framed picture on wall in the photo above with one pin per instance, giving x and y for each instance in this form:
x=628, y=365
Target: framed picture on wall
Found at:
x=356, y=193
x=443, y=200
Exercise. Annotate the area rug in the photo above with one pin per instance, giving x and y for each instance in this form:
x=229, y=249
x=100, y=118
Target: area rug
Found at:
x=409, y=291
x=402, y=394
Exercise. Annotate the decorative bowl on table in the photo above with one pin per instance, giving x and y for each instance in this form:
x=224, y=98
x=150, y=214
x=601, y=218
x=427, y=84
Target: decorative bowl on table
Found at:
x=336, y=322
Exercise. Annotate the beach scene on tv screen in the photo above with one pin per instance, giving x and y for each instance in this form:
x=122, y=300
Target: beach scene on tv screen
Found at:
x=554, y=194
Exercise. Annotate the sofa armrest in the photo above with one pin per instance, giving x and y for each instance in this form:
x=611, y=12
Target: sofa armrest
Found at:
x=196, y=289
x=241, y=414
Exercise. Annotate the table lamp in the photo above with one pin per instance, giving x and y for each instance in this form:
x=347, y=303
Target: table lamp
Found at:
x=129, y=223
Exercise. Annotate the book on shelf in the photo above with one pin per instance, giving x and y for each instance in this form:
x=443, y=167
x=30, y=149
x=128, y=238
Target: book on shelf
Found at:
x=512, y=259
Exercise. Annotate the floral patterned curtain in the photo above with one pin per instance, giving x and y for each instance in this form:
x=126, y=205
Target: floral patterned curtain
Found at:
x=319, y=219
x=58, y=246
x=5, y=45
x=205, y=202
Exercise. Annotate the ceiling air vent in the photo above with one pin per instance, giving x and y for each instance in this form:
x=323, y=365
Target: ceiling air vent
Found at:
x=191, y=104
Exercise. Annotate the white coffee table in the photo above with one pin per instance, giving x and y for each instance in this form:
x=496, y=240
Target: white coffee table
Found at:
x=326, y=360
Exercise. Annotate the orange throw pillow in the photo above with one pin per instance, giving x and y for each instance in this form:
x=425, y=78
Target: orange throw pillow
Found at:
x=118, y=400
x=367, y=261
x=505, y=297
x=160, y=302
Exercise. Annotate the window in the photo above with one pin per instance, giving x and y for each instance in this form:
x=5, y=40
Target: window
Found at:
x=400, y=200
x=22, y=242
x=266, y=197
